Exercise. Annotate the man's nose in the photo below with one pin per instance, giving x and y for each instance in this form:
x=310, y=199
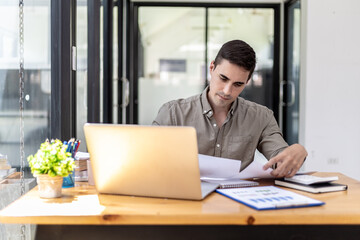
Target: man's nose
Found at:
x=227, y=89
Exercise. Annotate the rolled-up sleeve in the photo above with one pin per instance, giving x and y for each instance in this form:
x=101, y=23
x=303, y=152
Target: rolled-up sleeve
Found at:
x=271, y=141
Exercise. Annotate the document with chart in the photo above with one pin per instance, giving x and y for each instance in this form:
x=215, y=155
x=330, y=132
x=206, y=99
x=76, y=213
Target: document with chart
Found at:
x=268, y=197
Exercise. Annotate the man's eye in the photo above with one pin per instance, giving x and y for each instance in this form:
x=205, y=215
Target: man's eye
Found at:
x=238, y=84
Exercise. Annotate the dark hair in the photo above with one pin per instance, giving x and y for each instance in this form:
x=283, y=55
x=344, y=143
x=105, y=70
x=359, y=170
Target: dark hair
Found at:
x=237, y=52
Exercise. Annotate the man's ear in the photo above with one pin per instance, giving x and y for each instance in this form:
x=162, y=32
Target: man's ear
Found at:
x=212, y=66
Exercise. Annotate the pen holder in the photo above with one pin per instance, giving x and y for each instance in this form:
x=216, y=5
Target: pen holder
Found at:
x=69, y=181
x=72, y=147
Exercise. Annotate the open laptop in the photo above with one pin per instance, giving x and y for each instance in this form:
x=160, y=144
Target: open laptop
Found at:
x=152, y=161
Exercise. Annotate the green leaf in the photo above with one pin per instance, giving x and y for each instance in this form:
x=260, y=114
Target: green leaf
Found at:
x=52, y=159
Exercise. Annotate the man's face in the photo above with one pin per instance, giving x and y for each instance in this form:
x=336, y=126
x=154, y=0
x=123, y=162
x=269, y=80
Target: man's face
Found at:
x=227, y=82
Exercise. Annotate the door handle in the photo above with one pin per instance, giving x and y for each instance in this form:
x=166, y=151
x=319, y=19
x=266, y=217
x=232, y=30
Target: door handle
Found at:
x=126, y=92
x=292, y=93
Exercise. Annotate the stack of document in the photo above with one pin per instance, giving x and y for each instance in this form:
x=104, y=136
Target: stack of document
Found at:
x=313, y=184
x=81, y=170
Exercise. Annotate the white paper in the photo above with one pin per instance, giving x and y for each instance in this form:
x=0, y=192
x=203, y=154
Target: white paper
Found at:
x=255, y=170
x=218, y=168
x=82, y=156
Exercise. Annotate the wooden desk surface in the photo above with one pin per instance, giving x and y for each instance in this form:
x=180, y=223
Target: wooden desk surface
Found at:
x=82, y=205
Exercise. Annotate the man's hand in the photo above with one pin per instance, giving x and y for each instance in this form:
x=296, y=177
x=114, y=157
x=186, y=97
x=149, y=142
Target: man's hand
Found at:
x=288, y=162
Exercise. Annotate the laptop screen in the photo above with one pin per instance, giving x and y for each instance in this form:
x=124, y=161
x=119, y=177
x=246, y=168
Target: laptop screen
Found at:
x=155, y=161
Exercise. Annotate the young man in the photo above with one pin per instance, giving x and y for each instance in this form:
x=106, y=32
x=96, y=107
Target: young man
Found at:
x=229, y=126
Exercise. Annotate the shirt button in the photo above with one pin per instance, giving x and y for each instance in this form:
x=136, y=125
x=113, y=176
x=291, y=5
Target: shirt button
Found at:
x=204, y=111
x=214, y=125
x=218, y=145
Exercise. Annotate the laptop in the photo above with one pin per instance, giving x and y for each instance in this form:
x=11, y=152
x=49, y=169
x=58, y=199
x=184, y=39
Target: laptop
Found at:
x=150, y=161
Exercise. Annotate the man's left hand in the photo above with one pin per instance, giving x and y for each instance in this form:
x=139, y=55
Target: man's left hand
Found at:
x=288, y=162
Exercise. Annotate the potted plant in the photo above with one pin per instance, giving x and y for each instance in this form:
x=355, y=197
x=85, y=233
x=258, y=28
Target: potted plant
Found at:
x=49, y=165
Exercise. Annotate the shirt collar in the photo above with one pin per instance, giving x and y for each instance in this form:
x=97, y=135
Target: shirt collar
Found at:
x=206, y=107
x=233, y=106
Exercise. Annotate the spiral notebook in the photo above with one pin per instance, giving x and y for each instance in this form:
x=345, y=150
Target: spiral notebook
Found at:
x=231, y=183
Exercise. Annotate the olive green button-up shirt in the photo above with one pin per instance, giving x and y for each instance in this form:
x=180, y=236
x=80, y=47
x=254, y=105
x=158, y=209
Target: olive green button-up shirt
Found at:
x=248, y=126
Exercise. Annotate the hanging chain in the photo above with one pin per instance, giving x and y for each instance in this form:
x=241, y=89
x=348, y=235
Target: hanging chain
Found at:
x=21, y=103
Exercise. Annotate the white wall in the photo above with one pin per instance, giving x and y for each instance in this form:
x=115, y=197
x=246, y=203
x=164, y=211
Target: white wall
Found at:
x=330, y=91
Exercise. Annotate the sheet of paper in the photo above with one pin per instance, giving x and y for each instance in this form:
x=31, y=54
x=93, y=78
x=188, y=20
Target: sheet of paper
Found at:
x=63, y=207
x=268, y=197
x=218, y=168
x=255, y=170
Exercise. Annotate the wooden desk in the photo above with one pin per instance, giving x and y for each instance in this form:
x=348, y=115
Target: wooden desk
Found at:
x=82, y=209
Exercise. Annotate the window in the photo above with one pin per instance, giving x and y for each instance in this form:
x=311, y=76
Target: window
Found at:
x=37, y=77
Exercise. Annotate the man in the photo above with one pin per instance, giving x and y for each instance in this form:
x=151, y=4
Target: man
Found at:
x=229, y=126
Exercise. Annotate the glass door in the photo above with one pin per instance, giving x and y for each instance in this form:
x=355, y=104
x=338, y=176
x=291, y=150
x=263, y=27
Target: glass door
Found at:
x=82, y=70
x=170, y=57
x=174, y=46
x=37, y=77
x=290, y=86
x=256, y=26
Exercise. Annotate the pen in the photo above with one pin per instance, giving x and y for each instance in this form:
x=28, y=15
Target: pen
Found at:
x=77, y=147
x=69, y=145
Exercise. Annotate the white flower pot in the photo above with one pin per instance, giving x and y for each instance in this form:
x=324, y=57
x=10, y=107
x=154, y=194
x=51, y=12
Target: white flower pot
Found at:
x=49, y=187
